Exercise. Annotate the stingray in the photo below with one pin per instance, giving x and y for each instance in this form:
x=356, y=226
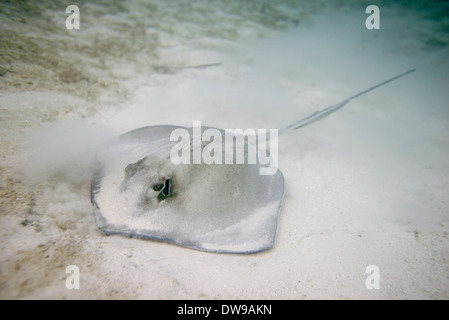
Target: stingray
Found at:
x=137, y=191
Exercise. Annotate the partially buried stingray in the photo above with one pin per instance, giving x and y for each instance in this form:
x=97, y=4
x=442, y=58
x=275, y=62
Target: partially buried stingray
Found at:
x=138, y=191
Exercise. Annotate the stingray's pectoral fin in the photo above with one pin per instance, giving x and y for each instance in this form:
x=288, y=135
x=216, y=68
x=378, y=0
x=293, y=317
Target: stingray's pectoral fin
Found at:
x=166, y=189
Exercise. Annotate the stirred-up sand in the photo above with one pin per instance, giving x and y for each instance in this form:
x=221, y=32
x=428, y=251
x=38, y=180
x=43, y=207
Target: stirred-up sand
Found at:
x=366, y=186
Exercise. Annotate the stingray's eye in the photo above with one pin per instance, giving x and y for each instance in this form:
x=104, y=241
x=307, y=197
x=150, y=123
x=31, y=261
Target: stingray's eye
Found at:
x=165, y=189
x=158, y=186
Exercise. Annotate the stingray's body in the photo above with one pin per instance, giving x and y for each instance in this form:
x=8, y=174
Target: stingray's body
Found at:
x=211, y=207
x=138, y=191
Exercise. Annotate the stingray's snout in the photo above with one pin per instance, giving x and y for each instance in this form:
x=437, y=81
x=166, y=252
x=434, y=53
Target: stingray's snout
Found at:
x=165, y=189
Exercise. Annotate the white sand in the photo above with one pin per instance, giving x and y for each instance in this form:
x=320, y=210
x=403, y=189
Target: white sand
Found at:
x=366, y=186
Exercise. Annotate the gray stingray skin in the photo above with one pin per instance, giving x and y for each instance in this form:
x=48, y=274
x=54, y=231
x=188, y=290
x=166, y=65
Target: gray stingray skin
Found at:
x=226, y=208
x=217, y=208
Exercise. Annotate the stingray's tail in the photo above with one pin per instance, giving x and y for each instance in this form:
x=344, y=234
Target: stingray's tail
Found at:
x=320, y=114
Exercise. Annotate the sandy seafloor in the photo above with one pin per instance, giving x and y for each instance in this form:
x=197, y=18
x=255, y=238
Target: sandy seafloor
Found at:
x=368, y=185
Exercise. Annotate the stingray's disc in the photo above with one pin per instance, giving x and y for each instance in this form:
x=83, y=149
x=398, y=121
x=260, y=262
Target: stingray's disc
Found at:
x=138, y=191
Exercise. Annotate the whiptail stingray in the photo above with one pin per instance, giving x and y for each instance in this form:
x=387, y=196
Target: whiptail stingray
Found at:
x=138, y=191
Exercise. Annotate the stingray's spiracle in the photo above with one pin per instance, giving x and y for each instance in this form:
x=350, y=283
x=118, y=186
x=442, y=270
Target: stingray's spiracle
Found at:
x=166, y=189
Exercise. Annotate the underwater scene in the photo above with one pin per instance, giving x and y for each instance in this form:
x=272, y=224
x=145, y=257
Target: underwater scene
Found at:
x=114, y=177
